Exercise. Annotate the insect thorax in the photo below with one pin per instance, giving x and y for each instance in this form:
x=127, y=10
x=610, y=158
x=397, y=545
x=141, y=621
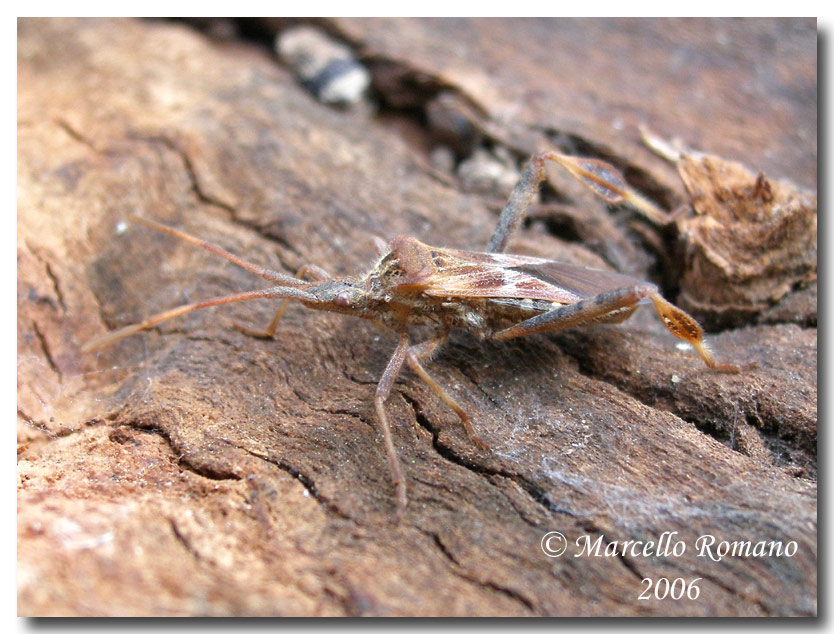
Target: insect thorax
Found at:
x=396, y=294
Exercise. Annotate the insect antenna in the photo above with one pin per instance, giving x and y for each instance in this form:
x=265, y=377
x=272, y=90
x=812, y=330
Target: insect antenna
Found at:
x=291, y=288
x=277, y=292
x=267, y=274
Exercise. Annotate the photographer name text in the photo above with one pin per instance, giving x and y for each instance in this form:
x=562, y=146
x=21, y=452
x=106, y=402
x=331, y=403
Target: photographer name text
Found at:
x=668, y=545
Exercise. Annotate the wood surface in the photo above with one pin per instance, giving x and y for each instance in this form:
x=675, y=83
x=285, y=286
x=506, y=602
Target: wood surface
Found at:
x=194, y=470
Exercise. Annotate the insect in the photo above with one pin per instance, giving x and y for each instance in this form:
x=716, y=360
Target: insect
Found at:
x=495, y=295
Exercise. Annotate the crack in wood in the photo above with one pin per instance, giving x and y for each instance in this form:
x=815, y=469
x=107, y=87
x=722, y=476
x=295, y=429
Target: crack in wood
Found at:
x=537, y=494
x=47, y=353
x=463, y=573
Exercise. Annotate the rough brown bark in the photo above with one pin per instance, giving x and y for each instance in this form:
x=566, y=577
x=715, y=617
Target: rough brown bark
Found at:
x=193, y=470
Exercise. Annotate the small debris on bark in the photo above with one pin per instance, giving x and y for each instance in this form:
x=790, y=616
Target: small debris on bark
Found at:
x=326, y=67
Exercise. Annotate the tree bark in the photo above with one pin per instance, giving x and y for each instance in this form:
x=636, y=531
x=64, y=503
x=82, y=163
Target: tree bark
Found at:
x=195, y=470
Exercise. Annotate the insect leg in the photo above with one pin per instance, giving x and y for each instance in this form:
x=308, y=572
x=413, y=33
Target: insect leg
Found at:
x=685, y=327
x=312, y=271
x=600, y=177
x=520, y=198
x=580, y=312
x=382, y=392
x=604, y=305
x=422, y=351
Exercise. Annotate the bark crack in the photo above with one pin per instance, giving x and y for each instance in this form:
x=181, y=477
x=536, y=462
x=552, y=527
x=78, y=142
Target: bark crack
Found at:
x=195, y=554
x=47, y=353
x=75, y=134
x=305, y=480
x=205, y=197
x=463, y=573
x=54, y=279
x=41, y=426
x=536, y=493
x=199, y=191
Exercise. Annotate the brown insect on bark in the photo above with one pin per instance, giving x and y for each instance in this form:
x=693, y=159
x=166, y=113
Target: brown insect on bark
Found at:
x=492, y=294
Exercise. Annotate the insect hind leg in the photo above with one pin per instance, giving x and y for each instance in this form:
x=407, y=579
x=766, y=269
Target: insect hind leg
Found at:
x=683, y=326
x=600, y=177
x=605, y=307
x=520, y=199
x=609, y=307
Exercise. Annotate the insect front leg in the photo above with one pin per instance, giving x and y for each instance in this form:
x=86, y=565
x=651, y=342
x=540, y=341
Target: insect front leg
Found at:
x=424, y=350
x=310, y=271
x=383, y=390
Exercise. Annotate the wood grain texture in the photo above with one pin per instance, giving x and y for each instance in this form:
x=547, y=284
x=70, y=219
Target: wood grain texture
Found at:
x=193, y=470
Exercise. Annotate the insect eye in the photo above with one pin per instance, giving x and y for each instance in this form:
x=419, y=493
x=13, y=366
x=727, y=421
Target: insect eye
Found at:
x=343, y=299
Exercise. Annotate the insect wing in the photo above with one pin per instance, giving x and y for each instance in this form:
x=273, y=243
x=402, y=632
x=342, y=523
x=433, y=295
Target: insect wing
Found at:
x=579, y=281
x=472, y=274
